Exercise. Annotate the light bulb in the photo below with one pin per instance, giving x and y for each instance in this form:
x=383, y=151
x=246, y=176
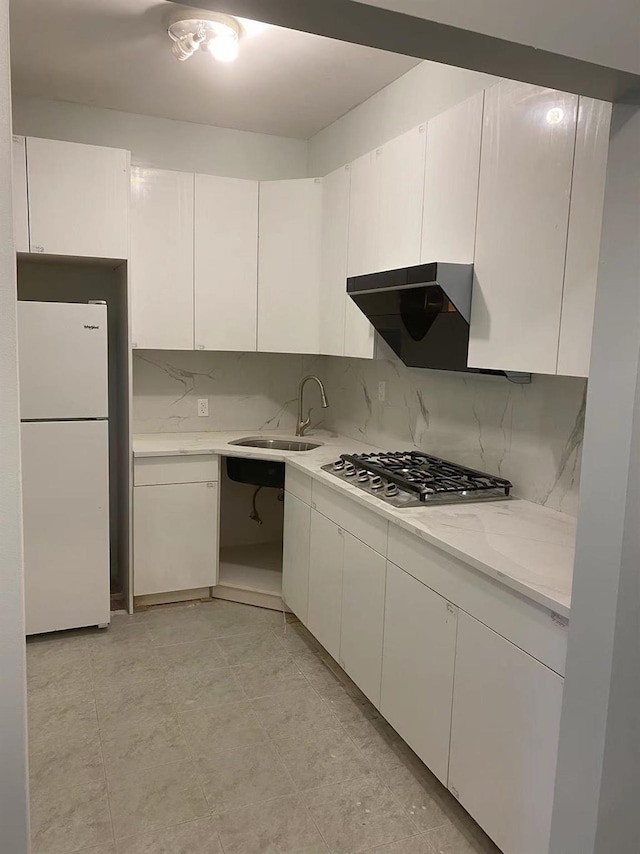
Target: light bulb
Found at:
x=555, y=115
x=224, y=48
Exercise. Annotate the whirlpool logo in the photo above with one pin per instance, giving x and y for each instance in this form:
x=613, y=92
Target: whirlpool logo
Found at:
x=91, y=326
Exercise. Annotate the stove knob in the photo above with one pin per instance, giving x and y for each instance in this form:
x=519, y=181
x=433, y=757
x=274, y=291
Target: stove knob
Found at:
x=349, y=470
x=363, y=476
x=391, y=489
x=338, y=465
x=376, y=482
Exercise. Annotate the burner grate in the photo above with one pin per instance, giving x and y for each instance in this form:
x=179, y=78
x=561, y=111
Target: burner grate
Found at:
x=427, y=476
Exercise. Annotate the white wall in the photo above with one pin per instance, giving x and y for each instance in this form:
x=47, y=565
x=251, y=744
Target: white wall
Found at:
x=14, y=824
x=163, y=143
x=602, y=32
x=530, y=434
x=423, y=92
x=598, y=779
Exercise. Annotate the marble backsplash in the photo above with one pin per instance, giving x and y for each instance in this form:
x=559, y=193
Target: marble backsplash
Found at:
x=246, y=391
x=530, y=434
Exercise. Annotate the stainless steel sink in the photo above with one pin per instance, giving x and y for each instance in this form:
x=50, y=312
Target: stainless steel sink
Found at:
x=276, y=444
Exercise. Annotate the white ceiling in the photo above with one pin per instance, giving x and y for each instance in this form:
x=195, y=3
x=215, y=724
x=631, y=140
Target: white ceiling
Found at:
x=116, y=54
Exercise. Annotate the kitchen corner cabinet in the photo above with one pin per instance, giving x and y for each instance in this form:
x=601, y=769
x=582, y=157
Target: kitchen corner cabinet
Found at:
x=226, y=263
x=417, y=667
x=452, y=167
x=175, y=524
x=78, y=199
x=290, y=233
x=19, y=201
x=295, y=555
x=504, y=738
x=526, y=168
x=161, y=274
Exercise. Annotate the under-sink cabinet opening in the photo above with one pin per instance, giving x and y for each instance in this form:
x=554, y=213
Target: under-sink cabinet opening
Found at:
x=251, y=525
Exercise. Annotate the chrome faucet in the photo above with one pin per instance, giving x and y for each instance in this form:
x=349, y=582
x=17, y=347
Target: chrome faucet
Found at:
x=304, y=423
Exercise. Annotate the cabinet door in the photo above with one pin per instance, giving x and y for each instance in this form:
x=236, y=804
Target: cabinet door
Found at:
x=175, y=537
x=359, y=335
x=417, y=667
x=335, y=232
x=583, y=246
x=504, y=738
x=521, y=239
x=290, y=233
x=161, y=275
x=325, y=582
x=452, y=167
x=226, y=263
x=295, y=555
x=362, y=623
x=400, y=168
x=362, y=255
x=78, y=199
x=19, y=187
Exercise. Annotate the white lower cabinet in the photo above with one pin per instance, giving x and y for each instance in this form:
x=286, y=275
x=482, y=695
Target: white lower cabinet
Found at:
x=175, y=524
x=417, y=667
x=504, y=738
x=295, y=555
x=362, y=615
x=325, y=582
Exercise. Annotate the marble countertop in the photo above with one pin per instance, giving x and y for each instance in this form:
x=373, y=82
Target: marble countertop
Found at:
x=523, y=545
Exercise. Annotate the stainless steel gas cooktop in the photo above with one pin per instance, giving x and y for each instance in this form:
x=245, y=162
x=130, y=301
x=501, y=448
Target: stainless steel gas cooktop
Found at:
x=415, y=479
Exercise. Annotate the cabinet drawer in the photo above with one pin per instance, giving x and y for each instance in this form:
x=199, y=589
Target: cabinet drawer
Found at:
x=343, y=510
x=193, y=468
x=298, y=484
x=526, y=624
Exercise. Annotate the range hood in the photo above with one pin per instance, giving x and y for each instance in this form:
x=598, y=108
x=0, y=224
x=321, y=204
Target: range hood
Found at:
x=423, y=314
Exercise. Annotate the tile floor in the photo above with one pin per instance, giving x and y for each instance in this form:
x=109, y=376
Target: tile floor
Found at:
x=216, y=728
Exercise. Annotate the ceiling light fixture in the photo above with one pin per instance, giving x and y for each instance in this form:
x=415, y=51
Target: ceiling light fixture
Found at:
x=217, y=35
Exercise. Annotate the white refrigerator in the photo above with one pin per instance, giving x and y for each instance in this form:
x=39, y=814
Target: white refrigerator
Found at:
x=63, y=365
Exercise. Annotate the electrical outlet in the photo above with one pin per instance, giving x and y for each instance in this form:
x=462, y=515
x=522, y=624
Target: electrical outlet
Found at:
x=382, y=390
x=203, y=407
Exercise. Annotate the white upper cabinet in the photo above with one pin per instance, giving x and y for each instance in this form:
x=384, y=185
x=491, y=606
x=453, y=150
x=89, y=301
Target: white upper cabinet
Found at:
x=335, y=231
x=400, y=177
x=78, y=199
x=19, y=201
x=585, y=227
x=161, y=275
x=290, y=234
x=226, y=263
x=363, y=221
x=452, y=169
x=521, y=238
x=385, y=217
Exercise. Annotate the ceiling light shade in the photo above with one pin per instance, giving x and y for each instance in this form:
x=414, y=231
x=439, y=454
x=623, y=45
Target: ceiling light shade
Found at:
x=218, y=35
